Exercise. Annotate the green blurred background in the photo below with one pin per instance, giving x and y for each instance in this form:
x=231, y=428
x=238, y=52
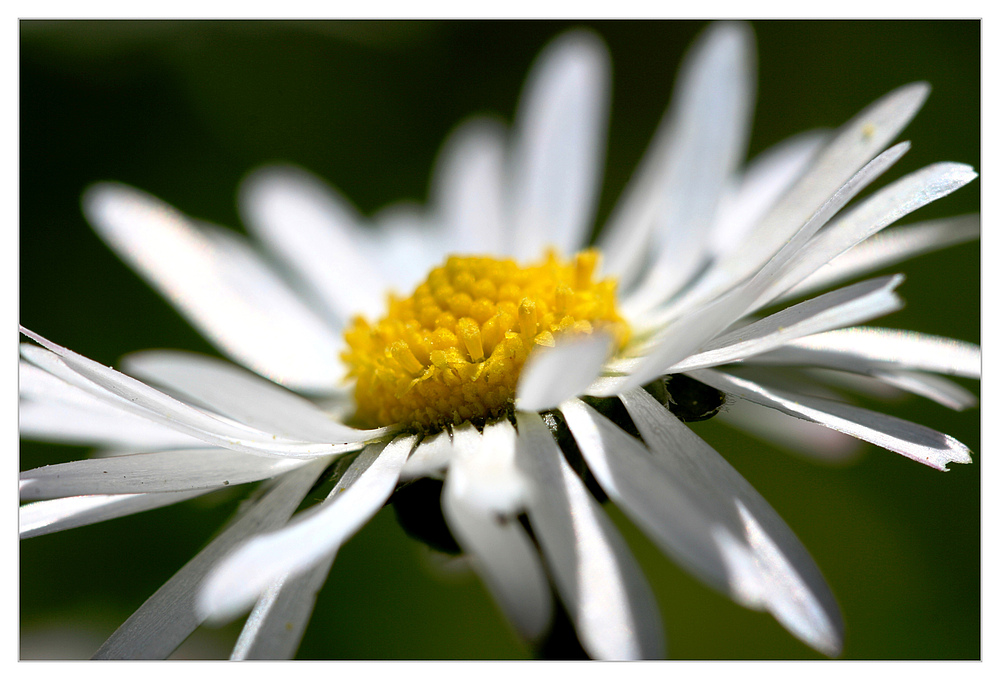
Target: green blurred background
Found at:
x=185, y=109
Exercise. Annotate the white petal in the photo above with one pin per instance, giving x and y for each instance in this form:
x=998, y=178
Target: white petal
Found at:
x=764, y=558
x=558, y=146
x=606, y=595
x=651, y=493
x=166, y=619
x=698, y=144
x=275, y=627
x=872, y=215
x=317, y=235
x=914, y=441
x=889, y=247
x=434, y=454
x=866, y=348
x=237, y=394
x=502, y=553
x=131, y=395
x=799, y=436
x=679, y=334
x=468, y=189
x=708, y=143
x=767, y=177
x=553, y=374
x=219, y=285
x=487, y=476
x=182, y=470
x=854, y=144
x=55, y=422
x=246, y=573
x=853, y=304
x=934, y=387
x=46, y=517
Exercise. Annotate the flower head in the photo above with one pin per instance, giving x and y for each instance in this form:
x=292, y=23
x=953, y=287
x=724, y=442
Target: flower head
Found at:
x=479, y=345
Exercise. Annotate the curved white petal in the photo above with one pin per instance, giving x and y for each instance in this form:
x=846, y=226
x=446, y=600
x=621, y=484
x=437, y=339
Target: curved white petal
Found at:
x=246, y=573
x=487, y=528
x=317, y=235
x=683, y=328
x=889, y=247
x=405, y=245
x=698, y=145
x=558, y=146
x=166, y=619
x=220, y=285
x=836, y=309
x=183, y=470
x=854, y=144
x=708, y=144
x=767, y=565
x=607, y=597
x=766, y=178
x=798, y=436
x=920, y=443
x=54, y=422
x=552, y=375
x=933, y=387
x=872, y=215
x=866, y=348
x=237, y=394
x=468, y=186
x=434, y=454
x=46, y=517
x=135, y=397
x=278, y=621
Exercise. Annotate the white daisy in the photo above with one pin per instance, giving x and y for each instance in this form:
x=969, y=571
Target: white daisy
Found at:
x=524, y=373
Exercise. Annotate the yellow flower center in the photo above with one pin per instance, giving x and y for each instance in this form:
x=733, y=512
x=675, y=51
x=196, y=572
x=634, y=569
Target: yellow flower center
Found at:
x=453, y=351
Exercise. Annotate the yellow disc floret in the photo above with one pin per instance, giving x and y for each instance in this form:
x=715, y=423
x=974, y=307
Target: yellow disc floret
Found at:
x=452, y=352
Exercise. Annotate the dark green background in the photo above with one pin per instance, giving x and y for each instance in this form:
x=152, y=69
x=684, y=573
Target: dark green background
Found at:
x=185, y=109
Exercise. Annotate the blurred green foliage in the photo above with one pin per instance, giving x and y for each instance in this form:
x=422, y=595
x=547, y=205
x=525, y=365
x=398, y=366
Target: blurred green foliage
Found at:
x=183, y=109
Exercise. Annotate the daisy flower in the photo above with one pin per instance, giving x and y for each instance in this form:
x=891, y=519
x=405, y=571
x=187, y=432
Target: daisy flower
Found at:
x=496, y=371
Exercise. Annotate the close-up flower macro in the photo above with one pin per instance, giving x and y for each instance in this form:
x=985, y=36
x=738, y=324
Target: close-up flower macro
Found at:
x=552, y=340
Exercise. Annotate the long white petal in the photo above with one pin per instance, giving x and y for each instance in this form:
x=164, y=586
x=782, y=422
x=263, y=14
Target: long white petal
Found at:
x=553, y=374
x=468, y=189
x=698, y=144
x=55, y=422
x=874, y=214
x=245, y=574
x=710, y=139
x=488, y=530
x=867, y=348
x=680, y=334
x=653, y=495
x=182, y=470
x=779, y=570
x=166, y=619
x=802, y=437
x=219, y=285
x=853, y=304
x=933, y=387
x=131, y=395
x=768, y=176
x=434, y=453
x=889, y=247
x=237, y=394
x=46, y=517
x=607, y=597
x=278, y=621
x=854, y=144
x=558, y=146
x=316, y=233
x=920, y=443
